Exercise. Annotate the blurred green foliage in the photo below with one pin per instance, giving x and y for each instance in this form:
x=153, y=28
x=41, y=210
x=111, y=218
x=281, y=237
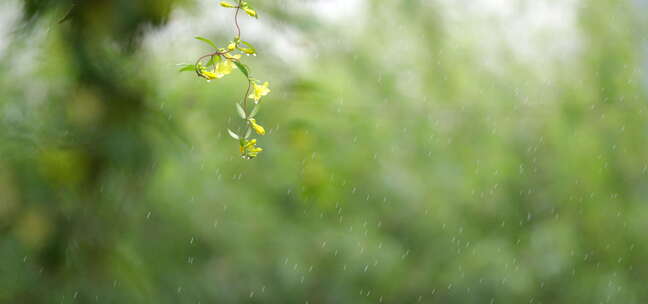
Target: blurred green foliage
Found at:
x=403, y=166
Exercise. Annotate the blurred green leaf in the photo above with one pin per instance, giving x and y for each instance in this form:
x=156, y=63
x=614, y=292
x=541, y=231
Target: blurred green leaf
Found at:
x=232, y=134
x=240, y=110
x=212, y=60
x=205, y=40
x=187, y=67
x=242, y=67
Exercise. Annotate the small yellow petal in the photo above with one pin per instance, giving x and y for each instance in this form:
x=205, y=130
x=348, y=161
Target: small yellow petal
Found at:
x=259, y=129
x=209, y=75
x=247, y=51
x=229, y=56
x=224, y=68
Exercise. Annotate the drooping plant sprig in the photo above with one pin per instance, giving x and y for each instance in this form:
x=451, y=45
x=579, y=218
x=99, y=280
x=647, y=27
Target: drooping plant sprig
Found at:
x=221, y=62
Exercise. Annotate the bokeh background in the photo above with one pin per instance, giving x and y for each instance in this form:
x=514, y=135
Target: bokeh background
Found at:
x=428, y=151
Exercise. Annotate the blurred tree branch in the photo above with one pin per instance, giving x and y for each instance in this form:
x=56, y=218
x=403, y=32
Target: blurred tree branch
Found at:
x=107, y=149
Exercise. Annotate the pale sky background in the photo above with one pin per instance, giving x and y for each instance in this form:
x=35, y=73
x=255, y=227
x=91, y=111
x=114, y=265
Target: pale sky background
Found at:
x=538, y=32
x=519, y=23
x=9, y=14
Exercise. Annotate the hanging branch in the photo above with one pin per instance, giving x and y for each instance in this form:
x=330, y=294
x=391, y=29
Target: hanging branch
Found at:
x=221, y=62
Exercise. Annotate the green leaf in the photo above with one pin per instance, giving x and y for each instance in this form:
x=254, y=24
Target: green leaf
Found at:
x=205, y=40
x=232, y=134
x=243, y=68
x=187, y=67
x=240, y=110
x=210, y=62
x=255, y=110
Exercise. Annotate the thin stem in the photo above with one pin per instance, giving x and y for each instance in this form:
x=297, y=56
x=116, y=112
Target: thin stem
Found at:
x=222, y=54
x=245, y=98
x=238, y=36
x=238, y=28
x=210, y=55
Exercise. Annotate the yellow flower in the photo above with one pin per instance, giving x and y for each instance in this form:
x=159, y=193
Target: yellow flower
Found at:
x=223, y=68
x=231, y=46
x=248, y=148
x=259, y=91
x=257, y=128
x=227, y=4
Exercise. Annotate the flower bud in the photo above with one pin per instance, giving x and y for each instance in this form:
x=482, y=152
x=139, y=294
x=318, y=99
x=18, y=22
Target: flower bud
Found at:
x=227, y=4
x=250, y=12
